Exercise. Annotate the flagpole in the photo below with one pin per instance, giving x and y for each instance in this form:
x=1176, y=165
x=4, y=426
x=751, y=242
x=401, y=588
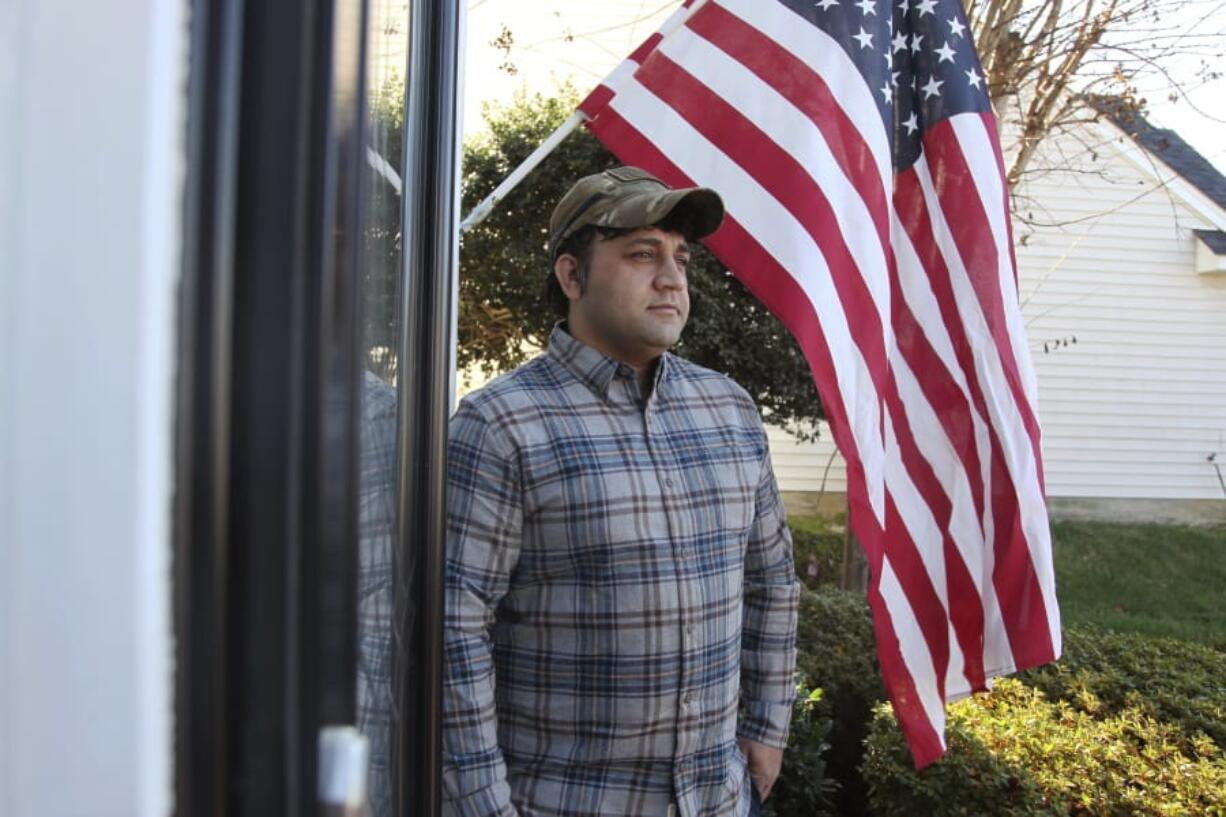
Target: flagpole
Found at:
x=482, y=210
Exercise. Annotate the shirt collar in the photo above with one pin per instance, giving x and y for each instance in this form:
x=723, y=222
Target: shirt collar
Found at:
x=590, y=367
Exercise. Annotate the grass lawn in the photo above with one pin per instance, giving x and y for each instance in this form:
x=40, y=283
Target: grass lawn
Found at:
x=1151, y=579
x=1162, y=580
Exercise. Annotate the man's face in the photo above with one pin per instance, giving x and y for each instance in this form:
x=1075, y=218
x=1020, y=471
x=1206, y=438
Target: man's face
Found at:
x=636, y=300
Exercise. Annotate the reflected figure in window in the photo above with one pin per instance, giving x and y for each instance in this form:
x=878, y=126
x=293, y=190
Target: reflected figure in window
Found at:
x=621, y=597
x=376, y=584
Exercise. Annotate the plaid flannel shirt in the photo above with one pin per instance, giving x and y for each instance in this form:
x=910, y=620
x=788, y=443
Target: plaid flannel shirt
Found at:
x=621, y=599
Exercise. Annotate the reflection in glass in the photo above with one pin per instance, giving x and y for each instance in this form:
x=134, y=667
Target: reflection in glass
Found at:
x=387, y=47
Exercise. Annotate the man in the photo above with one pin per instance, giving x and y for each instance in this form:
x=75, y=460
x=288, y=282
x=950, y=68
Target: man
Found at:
x=621, y=600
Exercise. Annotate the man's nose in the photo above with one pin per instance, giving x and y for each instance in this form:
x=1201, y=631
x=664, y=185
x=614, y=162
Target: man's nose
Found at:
x=671, y=275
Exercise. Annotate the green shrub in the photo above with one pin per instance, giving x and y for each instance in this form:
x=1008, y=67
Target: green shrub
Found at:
x=817, y=545
x=803, y=787
x=1013, y=753
x=1105, y=673
x=838, y=654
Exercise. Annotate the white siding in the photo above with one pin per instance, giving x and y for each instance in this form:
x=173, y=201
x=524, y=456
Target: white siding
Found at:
x=1136, y=405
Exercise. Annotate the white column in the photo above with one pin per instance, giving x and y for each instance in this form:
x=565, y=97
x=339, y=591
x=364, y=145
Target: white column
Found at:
x=91, y=170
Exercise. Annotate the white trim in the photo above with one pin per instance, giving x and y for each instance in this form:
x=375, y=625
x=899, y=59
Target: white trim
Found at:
x=1152, y=166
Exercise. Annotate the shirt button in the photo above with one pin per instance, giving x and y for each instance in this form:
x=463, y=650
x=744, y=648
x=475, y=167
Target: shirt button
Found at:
x=689, y=629
x=687, y=699
x=668, y=482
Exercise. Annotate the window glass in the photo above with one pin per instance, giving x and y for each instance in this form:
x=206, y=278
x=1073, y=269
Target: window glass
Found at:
x=387, y=46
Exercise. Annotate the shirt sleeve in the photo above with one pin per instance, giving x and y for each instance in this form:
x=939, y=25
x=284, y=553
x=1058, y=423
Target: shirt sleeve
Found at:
x=768, y=637
x=484, y=523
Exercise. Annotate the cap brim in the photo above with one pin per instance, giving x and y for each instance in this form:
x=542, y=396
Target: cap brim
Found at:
x=698, y=211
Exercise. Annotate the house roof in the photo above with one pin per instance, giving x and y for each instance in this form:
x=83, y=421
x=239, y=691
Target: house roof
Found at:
x=1215, y=240
x=1166, y=145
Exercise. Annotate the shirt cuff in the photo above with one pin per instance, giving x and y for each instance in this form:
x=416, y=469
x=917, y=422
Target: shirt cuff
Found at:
x=765, y=723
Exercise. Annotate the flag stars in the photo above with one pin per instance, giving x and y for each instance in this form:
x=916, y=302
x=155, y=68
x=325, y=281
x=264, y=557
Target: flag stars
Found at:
x=914, y=45
x=826, y=4
x=925, y=7
x=900, y=41
x=864, y=38
x=945, y=53
x=975, y=80
x=867, y=7
x=932, y=87
x=955, y=27
x=912, y=124
x=887, y=93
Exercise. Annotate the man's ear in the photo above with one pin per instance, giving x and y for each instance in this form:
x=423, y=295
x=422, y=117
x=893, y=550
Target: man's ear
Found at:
x=566, y=270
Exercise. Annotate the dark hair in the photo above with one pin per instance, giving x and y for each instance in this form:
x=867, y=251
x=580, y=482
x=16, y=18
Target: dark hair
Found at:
x=582, y=243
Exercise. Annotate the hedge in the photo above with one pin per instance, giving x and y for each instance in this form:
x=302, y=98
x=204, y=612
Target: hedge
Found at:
x=803, y=786
x=1014, y=753
x=1174, y=681
x=838, y=655
x=1111, y=698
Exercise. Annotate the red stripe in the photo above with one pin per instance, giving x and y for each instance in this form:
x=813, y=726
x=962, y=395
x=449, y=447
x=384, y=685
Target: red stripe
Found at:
x=918, y=588
x=972, y=232
x=643, y=51
x=808, y=92
x=788, y=182
x=950, y=405
x=920, y=733
x=1022, y=619
x=596, y=102
x=965, y=608
x=912, y=211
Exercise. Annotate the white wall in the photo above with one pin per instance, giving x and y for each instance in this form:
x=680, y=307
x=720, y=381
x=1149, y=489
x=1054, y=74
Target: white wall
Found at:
x=91, y=171
x=1135, y=406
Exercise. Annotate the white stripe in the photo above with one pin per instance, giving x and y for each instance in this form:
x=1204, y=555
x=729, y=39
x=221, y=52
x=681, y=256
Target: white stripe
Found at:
x=980, y=153
x=980, y=156
x=1003, y=412
x=971, y=534
x=965, y=528
x=788, y=242
x=796, y=134
x=926, y=535
x=914, y=649
x=823, y=54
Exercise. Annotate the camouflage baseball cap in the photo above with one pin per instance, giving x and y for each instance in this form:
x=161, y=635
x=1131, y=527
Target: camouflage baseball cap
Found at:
x=626, y=198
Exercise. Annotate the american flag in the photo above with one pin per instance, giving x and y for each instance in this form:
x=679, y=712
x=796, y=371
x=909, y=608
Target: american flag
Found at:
x=855, y=147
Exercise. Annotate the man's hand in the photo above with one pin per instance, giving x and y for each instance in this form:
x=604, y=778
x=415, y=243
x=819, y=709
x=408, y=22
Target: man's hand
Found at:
x=764, y=764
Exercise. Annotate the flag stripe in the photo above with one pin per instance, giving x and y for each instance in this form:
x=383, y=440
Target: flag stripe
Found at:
x=826, y=58
x=728, y=131
x=804, y=89
x=1034, y=623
